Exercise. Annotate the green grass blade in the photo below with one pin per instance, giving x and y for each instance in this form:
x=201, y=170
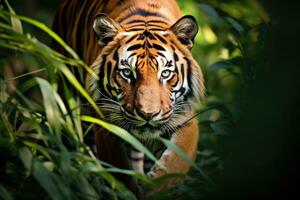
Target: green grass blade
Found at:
x=7, y=126
x=15, y=22
x=4, y=194
x=51, y=183
x=74, y=110
x=72, y=79
x=183, y=155
x=122, y=134
x=50, y=33
x=51, y=108
x=68, y=120
x=53, y=35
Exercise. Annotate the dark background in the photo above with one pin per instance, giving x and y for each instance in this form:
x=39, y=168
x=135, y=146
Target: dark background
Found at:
x=259, y=155
x=266, y=161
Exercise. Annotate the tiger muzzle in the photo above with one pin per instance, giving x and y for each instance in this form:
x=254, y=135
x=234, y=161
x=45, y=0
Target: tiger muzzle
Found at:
x=147, y=102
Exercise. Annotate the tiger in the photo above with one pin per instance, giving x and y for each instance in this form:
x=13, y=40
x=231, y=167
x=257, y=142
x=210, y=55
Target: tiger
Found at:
x=148, y=81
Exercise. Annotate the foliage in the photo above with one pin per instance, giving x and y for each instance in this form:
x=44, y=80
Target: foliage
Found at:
x=42, y=138
x=43, y=133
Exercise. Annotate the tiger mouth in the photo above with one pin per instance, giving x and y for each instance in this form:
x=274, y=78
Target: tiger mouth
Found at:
x=147, y=132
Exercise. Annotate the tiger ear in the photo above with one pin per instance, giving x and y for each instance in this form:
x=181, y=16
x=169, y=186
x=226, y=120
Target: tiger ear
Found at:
x=186, y=28
x=105, y=28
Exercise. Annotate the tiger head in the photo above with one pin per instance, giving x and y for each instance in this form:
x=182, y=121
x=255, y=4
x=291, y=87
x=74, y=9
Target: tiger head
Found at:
x=148, y=79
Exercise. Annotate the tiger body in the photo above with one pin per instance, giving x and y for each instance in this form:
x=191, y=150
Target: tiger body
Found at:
x=148, y=79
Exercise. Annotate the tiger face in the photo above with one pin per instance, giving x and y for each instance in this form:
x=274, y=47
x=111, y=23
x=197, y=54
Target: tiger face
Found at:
x=148, y=77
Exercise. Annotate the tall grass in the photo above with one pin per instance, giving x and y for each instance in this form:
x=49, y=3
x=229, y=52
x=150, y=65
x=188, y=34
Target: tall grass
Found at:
x=42, y=147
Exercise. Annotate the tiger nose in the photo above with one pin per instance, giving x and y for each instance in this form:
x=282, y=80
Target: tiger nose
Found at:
x=148, y=114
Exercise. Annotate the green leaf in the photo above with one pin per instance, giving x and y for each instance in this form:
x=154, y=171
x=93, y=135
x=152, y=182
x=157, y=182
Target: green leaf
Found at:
x=50, y=33
x=68, y=120
x=7, y=126
x=72, y=79
x=4, y=194
x=51, y=108
x=15, y=22
x=53, y=35
x=122, y=134
x=51, y=183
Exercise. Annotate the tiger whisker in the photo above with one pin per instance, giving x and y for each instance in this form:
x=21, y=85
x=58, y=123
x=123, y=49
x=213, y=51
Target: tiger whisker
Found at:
x=107, y=98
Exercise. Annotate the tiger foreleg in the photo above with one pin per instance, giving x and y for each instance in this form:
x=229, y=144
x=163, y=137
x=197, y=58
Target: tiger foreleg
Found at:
x=112, y=150
x=186, y=138
x=137, y=160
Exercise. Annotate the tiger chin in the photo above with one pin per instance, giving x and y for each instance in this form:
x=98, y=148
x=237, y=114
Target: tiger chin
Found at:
x=148, y=80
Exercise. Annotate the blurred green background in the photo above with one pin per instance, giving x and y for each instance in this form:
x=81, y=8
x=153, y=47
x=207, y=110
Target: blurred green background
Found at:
x=248, y=53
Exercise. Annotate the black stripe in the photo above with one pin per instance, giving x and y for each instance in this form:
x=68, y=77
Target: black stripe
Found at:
x=135, y=21
x=130, y=39
x=189, y=76
x=108, y=70
x=141, y=12
x=167, y=113
x=141, y=37
x=173, y=85
x=162, y=55
x=137, y=159
x=155, y=25
x=108, y=86
x=157, y=21
x=164, y=118
x=133, y=54
x=101, y=75
x=160, y=38
x=158, y=47
x=169, y=64
x=182, y=89
x=156, y=29
x=128, y=116
x=116, y=55
x=145, y=13
x=136, y=29
x=175, y=57
x=135, y=47
x=182, y=71
x=153, y=64
x=135, y=25
x=141, y=64
x=149, y=45
x=116, y=58
x=147, y=33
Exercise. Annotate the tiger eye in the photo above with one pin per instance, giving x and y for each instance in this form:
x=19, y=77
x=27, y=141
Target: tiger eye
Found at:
x=166, y=73
x=127, y=72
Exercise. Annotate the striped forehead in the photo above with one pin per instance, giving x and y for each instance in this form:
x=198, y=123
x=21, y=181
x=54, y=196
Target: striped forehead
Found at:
x=144, y=46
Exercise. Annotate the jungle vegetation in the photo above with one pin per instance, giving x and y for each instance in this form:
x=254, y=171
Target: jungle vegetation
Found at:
x=248, y=53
